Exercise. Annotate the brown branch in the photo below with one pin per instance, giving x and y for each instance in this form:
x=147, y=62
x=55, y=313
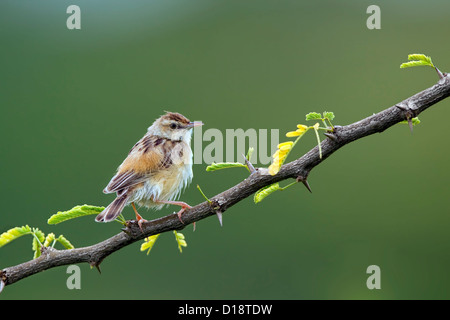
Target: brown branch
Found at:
x=298, y=169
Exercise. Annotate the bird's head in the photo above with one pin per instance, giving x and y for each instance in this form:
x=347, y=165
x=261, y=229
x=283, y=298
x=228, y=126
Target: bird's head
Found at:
x=173, y=126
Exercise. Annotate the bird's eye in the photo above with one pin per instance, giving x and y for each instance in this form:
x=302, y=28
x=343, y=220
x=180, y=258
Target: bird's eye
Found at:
x=173, y=125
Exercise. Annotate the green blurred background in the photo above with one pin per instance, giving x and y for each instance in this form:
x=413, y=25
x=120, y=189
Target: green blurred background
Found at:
x=75, y=101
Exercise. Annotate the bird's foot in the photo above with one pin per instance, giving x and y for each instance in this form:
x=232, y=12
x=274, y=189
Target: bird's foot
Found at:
x=139, y=219
x=184, y=206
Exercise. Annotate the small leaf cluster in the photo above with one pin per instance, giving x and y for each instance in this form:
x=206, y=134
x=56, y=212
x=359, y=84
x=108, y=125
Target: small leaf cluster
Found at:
x=282, y=152
x=75, y=212
x=415, y=121
x=225, y=165
x=326, y=117
x=150, y=241
x=268, y=190
x=417, y=59
x=179, y=237
x=39, y=239
x=284, y=148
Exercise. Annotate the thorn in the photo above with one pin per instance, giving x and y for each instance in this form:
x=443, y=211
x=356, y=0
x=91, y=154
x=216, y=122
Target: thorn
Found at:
x=249, y=164
x=440, y=74
x=305, y=182
x=216, y=207
x=330, y=135
x=409, y=114
x=410, y=124
x=409, y=117
x=96, y=265
x=126, y=230
x=219, y=215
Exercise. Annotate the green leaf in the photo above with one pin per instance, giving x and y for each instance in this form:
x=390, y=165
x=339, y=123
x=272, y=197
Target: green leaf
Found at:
x=36, y=249
x=179, y=237
x=39, y=235
x=420, y=57
x=328, y=115
x=66, y=243
x=266, y=191
x=415, y=121
x=149, y=242
x=417, y=59
x=313, y=116
x=38, y=240
x=75, y=212
x=14, y=233
x=49, y=239
x=224, y=165
x=413, y=64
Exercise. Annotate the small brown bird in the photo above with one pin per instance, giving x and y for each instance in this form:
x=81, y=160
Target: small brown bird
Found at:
x=156, y=170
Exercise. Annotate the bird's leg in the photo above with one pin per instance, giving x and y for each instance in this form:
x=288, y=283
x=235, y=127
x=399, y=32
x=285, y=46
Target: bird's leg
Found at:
x=183, y=206
x=139, y=219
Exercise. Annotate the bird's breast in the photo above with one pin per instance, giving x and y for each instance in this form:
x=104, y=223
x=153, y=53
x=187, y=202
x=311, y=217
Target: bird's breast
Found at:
x=168, y=182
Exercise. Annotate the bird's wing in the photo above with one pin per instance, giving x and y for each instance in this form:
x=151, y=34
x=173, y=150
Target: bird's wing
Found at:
x=123, y=181
x=144, y=159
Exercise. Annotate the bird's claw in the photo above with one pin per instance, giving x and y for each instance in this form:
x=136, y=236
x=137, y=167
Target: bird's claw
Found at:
x=140, y=222
x=182, y=210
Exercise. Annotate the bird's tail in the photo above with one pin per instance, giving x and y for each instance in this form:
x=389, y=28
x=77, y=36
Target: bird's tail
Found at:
x=113, y=210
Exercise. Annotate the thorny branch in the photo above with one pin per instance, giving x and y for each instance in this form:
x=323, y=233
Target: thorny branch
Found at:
x=298, y=169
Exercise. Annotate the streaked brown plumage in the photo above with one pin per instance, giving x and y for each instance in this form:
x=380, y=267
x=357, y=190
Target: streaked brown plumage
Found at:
x=156, y=170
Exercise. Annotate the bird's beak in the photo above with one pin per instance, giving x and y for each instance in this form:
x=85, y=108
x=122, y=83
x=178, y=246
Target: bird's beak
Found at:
x=194, y=124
